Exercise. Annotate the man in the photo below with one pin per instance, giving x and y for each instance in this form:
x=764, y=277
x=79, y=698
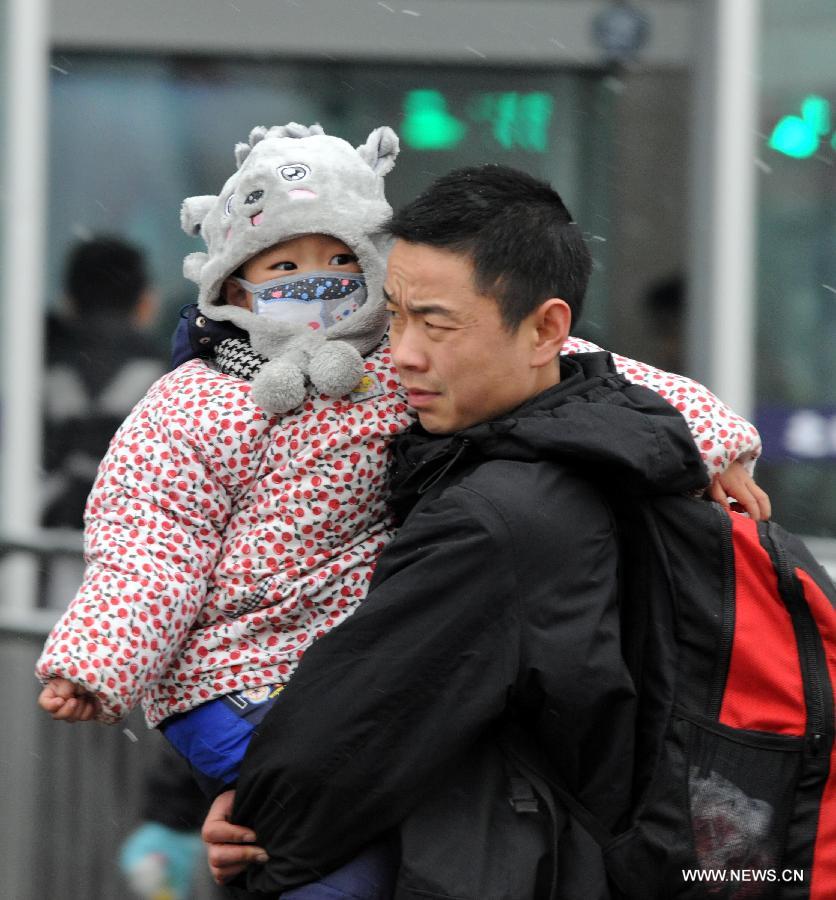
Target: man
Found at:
x=490, y=630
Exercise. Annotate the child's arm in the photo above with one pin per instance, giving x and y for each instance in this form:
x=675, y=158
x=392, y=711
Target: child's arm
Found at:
x=721, y=435
x=154, y=527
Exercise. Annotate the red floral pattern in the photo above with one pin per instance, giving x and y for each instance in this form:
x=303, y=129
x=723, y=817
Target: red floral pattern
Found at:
x=221, y=541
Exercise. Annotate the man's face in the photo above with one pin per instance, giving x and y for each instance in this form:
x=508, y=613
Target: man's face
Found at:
x=456, y=358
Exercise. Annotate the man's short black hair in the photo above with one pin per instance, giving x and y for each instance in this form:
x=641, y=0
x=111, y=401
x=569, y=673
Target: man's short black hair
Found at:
x=521, y=239
x=105, y=275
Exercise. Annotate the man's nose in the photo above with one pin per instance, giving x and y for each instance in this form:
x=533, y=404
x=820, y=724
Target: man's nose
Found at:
x=407, y=354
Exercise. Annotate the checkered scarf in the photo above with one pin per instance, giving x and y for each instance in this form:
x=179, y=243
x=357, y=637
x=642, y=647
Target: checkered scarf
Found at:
x=236, y=357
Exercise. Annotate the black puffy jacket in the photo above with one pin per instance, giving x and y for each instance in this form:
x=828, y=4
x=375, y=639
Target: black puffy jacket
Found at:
x=496, y=601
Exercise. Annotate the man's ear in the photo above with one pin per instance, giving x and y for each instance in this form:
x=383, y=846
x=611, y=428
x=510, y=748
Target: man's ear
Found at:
x=553, y=320
x=235, y=295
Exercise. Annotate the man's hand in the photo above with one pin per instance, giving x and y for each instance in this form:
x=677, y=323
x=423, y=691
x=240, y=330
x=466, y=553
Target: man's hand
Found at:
x=737, y=484
x=68, y=702
x=230, y=848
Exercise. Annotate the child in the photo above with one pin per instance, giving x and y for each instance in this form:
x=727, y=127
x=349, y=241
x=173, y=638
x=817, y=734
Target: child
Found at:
x=222, y=538
x=239, y=534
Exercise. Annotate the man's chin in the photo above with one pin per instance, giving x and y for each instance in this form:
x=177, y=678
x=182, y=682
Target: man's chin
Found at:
x=432, y=425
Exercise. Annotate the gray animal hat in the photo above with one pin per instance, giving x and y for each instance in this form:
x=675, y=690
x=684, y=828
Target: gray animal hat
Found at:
x=294, y=180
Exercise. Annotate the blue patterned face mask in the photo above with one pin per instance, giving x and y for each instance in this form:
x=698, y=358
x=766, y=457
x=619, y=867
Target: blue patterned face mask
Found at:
x=317, y=299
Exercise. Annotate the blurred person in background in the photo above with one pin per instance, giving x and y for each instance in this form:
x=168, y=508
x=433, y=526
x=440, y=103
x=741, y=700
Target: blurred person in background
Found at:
x=664, y=306
x=99, y=362
x=162, y=859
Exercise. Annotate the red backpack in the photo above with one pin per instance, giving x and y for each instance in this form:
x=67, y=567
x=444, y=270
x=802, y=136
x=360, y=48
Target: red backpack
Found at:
x=729, y=629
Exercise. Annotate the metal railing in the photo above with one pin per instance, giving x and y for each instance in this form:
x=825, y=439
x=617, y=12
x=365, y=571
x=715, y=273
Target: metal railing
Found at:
x=70, y=794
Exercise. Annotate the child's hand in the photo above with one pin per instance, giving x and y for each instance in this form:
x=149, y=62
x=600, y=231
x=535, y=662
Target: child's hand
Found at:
x=68, y=702
x=737, y=484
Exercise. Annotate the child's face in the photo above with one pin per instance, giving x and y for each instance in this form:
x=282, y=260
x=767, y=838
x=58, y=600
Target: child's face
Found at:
x=308, y=253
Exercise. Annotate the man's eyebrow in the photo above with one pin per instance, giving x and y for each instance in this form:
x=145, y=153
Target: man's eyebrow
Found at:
x=422, y=309
x=431, y=309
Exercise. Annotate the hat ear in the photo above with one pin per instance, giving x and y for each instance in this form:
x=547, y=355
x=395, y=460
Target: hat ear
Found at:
x=380, y=150
x=193, y=211
x=193, y=266
x=242, y=151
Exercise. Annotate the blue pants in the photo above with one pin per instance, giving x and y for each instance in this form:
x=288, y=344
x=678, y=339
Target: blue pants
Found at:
x=369, y=876
x=214, y=737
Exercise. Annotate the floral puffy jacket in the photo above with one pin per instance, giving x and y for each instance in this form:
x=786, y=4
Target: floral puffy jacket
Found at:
x=221, y=541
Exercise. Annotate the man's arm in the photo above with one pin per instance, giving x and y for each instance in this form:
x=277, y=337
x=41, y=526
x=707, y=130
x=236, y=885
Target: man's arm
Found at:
x=385, y=704
x=477, y=607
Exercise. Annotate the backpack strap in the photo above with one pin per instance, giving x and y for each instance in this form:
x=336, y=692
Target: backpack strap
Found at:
x=517, y=747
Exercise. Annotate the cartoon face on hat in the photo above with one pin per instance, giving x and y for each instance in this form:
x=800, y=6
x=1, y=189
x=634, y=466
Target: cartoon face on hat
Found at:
x=294, y=180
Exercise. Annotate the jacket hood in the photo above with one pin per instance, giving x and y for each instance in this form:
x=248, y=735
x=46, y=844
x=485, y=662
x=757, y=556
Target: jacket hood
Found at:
x=594, y=420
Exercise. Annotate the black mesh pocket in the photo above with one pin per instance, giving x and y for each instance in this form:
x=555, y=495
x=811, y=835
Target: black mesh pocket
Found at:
x=740, y=795
x=714, y=819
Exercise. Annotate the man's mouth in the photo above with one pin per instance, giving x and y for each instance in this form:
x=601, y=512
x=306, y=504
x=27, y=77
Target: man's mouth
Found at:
x=418, y=397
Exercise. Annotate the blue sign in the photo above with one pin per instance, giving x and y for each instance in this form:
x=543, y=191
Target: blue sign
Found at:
x=797, y=433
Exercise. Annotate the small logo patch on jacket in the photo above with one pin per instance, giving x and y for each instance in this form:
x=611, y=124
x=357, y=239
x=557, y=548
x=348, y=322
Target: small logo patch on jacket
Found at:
x=368, y=387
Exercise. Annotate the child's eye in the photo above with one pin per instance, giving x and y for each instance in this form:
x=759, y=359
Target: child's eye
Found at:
x=342, y=259
x=284, y=266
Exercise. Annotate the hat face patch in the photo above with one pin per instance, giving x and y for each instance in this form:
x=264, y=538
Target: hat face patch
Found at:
x=297, y=172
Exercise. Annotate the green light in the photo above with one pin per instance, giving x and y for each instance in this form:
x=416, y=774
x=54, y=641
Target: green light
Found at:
x=799, y=136
x=514, y=119
x=535, y=118
x=427, y=123
x=504, y=118
x=794, y=137
x=816, y=111
x=520, y=120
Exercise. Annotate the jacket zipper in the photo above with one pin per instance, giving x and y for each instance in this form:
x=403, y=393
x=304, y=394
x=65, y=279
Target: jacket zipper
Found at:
x=813, y=665
x=436, y=476
x=718, y=685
